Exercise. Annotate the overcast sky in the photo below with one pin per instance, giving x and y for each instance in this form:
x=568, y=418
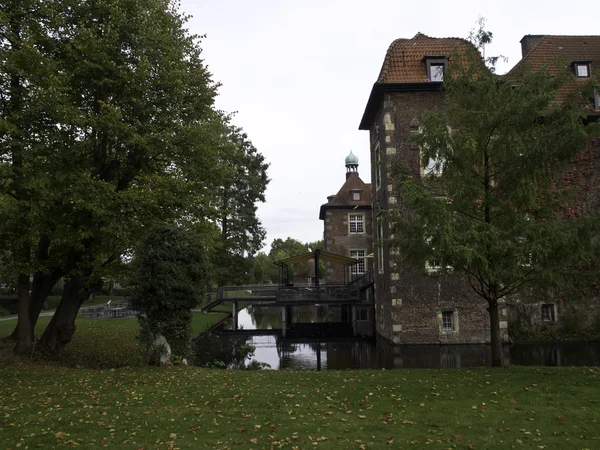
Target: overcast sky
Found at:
x=299, y=73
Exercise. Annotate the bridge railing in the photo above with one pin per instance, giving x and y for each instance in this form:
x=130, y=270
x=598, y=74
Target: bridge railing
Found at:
x=363, y=280
x=250, y=291
x=322, y=293
x=285, y=293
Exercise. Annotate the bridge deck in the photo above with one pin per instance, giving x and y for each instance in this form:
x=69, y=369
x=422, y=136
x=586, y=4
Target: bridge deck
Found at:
x=284, y=295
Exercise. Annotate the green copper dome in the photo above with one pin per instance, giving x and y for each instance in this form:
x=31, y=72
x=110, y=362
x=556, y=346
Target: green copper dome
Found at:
x=351, y=159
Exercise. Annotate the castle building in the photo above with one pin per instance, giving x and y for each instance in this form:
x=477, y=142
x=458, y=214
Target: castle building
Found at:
x=348, y=225
x=422, y=305
x=413, y=306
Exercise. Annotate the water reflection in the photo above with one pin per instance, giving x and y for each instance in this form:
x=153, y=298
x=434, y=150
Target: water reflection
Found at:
x=260, y=328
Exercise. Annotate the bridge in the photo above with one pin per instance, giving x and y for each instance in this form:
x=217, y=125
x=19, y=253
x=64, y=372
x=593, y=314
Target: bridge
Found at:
x=287, y=295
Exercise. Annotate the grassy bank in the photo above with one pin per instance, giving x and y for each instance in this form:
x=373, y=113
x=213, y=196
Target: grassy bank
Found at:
x=179, y=407
x=101, y=343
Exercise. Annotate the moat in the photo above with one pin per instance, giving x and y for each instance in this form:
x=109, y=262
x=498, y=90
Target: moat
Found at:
x=312, y=348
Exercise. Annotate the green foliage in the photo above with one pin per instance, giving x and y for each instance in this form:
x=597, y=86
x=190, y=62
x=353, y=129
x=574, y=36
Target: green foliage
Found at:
x=108, y=127
x=573, y=320
x=171, y=280
x=281, y=249
x=241, y=232
x=263, y=268
x=4, y=312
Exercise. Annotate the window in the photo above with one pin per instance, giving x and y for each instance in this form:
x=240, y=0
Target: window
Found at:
x=447, y=320
x=548, y=312
x=436, y=66
x=582, y=70
x=434, y=166
x=377, y=166
x=356, y=195
x=362, y=314
x=357, y=223
x=380, y=246
x=432, y=266
x=436, y=72
x=360, y=268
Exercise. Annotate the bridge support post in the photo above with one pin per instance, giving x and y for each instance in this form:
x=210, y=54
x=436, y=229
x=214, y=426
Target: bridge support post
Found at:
x=234, y=316
x=283, y=321
x=353, y=320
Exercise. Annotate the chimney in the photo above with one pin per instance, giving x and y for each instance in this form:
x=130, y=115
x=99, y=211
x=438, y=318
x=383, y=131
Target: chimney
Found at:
x=528, y=42
x=330, y=197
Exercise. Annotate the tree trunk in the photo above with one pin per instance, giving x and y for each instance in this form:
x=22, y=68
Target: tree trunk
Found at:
x=24, y=332
x=40, y=290
x=496, y=337
x=61, y=328
x=43, y=282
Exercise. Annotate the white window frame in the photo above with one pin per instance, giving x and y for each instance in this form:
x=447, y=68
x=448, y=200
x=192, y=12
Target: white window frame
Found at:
x=436, y=72
x=433, y=268
x=430, y=169
x=357, y=224
x=361, y=255
x=584, y=66
x=448, y=321
x=356, y=195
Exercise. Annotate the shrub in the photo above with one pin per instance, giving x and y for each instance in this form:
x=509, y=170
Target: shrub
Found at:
x=4, y=312
x=572, y=321
x=171, y=280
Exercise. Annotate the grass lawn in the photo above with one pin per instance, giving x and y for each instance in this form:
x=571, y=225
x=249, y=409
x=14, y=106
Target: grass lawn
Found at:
x=104, y=343
x=120, y=404
x=187, y=407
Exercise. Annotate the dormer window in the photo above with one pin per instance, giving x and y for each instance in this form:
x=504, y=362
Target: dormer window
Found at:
x=582, y=69
x=356, y=195
x=436, y=67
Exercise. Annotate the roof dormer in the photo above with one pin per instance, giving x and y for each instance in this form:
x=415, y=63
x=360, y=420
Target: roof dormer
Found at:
x=436, y=66
x=582, y=69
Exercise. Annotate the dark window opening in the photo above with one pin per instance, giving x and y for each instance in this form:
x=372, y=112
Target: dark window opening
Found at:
x=548, y=312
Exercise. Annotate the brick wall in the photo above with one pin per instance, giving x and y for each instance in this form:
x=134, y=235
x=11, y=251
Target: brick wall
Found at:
x=409, y=302
x=338, y=240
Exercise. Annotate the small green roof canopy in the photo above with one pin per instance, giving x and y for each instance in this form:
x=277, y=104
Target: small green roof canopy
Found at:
x=323, y=255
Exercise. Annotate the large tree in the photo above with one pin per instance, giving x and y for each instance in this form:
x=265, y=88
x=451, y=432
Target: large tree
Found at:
x=108, y=129
x=490, y=207
x=241, y=232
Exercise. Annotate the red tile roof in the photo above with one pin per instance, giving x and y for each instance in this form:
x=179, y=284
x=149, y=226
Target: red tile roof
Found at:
x=404, y=61
x=343, y=197
x=558, y=53
x=554, y=51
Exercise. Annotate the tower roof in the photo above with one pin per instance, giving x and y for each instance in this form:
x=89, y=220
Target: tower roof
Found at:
x=351, y=159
